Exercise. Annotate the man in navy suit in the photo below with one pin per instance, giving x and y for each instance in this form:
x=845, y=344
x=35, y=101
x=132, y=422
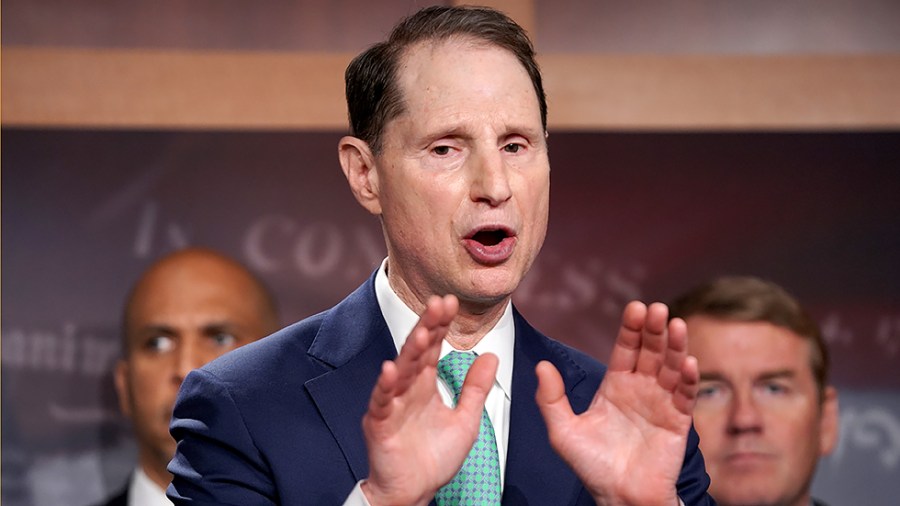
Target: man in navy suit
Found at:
x=449, y=151
x=186, y=309
x=765, y=408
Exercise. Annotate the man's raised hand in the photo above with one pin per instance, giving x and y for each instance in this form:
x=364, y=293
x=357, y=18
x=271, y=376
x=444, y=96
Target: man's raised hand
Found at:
x=628, y=446
x=416, y=444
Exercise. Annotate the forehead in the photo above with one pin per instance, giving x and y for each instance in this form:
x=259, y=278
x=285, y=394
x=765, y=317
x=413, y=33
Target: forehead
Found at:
x=746, y=347
x=191, y=294
x=459, y=75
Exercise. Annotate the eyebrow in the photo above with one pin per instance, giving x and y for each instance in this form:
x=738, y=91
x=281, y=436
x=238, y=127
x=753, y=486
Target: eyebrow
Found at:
x=712, y=376
x=153, y=329
x=162, y=328
x=216, y=327
x=463, y=132
x=768, y=375
x=780, y=373
x=454, y=131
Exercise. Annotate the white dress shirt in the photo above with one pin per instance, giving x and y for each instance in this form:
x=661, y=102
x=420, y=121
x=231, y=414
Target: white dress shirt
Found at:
x=142, y=491
x=499, y=341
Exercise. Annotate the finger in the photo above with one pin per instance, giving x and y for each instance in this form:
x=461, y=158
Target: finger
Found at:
x=654, y=339
x=409, y=362
x=685, y=395
x=380, y=403
x=477, y=385
x=551, y=398
x=676, y=352
x=451, y=308
x=445, y=310
x=625, y=351
x=423, y=345
x=438, y=312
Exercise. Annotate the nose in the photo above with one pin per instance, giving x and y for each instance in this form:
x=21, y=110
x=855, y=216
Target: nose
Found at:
x=744, y=416
x=188, y=357
x=490, y=180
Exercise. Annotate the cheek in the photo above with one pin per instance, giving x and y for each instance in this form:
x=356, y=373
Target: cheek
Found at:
x=710, y=425
x=212, y=352
x=538, y=202
x=540, y=222
x=409, y=213
x=149, y=382
x=797, y=429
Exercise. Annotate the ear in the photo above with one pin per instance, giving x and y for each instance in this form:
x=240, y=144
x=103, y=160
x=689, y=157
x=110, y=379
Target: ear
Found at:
x=120, y=375
x=829, y=425
x=358, y=165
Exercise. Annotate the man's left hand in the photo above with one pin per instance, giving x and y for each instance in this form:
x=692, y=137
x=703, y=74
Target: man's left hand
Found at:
x=628, y=446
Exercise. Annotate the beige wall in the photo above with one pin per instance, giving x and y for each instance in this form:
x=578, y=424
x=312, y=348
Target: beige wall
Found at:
x=703, y=65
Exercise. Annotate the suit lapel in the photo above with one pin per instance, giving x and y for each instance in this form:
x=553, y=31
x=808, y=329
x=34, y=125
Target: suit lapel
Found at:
x=354, y=341
x=535, y=474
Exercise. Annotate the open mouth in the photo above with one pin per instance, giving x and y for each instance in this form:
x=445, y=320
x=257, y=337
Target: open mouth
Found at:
x=490, y=237
x=490, y=245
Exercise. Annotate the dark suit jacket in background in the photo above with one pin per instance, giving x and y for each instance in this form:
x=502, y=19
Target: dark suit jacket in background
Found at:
x=120, y=499
x=278, y=421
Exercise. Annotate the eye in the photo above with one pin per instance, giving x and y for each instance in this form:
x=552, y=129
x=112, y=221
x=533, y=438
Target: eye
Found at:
x=441, y=150
x=512, y=147
x=223, y=339
x=709, y=390
x=773, y=388
x=160, y=344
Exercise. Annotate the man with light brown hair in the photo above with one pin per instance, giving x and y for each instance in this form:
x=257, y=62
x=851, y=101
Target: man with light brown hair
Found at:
x=188, y=308
x=765, y=411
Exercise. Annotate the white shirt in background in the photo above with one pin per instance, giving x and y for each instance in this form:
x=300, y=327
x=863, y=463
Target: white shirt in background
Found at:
x=142, y=491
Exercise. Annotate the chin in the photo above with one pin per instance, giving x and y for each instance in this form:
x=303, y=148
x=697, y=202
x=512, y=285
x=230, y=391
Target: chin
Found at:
x=509, y=272
x=485, y=295
x=482, y=300
x=754, y=495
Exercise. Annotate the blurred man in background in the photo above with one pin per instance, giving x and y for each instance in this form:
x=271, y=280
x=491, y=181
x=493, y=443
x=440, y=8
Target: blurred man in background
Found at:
x=765, y=412
x=188, y=308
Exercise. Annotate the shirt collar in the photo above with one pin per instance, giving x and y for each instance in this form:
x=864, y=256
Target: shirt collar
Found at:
x=401, y=319
x=143, y=491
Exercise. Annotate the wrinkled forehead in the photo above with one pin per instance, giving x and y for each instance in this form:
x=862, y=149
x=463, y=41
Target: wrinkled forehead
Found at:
x=438, y=78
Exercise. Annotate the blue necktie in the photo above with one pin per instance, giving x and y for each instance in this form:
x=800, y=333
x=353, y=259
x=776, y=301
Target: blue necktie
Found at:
x=478, y=481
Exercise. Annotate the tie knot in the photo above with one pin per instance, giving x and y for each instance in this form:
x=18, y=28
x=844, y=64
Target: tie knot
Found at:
x=453, y=368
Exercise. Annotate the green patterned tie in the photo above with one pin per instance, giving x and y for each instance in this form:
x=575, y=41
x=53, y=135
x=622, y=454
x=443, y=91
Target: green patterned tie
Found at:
x=478, y=481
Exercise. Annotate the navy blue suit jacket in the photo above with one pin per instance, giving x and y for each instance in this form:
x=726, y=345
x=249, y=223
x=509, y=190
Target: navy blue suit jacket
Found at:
x=278, y=421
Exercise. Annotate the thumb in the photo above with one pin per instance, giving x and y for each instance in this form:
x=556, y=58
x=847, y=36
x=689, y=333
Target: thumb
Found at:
x=478, y=383
x=551, y=397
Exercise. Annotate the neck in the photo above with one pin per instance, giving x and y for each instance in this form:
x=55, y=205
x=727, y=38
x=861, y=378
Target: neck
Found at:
x=155, y=469
x=473, y=323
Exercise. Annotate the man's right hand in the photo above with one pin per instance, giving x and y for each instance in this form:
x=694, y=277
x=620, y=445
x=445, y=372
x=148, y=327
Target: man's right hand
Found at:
x=416, y=444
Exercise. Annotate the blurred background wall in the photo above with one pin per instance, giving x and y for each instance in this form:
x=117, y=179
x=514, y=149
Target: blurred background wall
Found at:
x=688, y=139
